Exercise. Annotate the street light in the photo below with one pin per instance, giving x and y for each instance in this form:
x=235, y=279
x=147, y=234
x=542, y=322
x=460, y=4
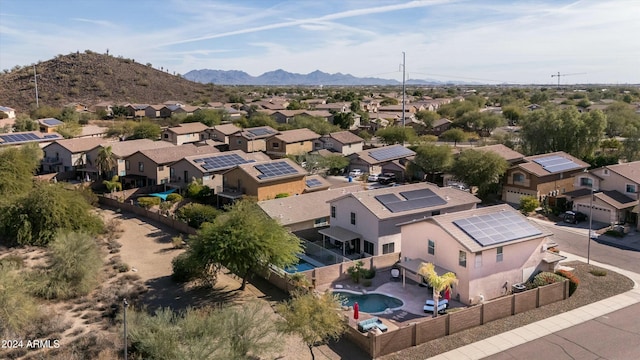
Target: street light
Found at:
x=590, y=223
x=125, y=304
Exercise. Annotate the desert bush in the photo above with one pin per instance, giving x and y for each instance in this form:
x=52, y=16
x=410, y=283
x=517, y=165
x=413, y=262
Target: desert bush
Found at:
x=75, y=262
x=174, y=198
x=598, y=272
x=369, y=273
x=17, y=308
x=185, y=268
x=356, y=271
x=11, y=262
x=546, y=278
x=148, y=202
x=177, y=242
x=282, y=195
x=122, y=267
x=528, y=204
x=573, y=280
x=195, y=214
x=195, y=190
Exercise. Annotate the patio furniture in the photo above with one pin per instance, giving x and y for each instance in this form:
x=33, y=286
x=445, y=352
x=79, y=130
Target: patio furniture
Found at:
x=430, y=304
x=374, y=322
x=395, y=274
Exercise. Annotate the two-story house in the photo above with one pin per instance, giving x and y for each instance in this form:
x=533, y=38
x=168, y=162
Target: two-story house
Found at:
x=264, y=180
x=291, y=142
x=185, y=133
x=121, y=150
x=209, y=167
x=615, y=193
x=489, y=249
x=152, y=166
x=343, y=142
x=366, y=222
x=251, y=139
x=69, y=154
x=372, y=161
x=223, y=132
x=541, y=176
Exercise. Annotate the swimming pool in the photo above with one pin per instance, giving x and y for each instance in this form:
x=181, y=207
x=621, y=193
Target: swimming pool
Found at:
x=371, y=302
x=300, y=266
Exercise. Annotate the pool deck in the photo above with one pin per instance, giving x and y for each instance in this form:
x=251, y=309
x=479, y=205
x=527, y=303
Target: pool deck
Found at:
x=412, y=295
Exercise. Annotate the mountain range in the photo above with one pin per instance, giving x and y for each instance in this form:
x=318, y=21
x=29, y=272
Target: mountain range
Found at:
x=281, y=77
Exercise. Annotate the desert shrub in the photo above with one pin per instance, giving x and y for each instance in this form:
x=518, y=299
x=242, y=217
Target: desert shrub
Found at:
x=148, y=202
x=185, y=268
x=177, y=242
x=122, y=267
x=573, y=280
x=75, y=262
x=366, y=283
x=598, y=272
x=174, y=198
x=165, y=205
x=195, y=190
x=528, y=204
x=282, y=195
x=11, y=262
x=369, y=273
x=546, y=278
x=615, y=233
x=17, y=308
x=356, y=271
x=195, y=214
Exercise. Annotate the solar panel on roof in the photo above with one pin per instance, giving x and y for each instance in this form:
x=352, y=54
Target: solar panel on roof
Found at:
x=555, y=163
x=275, y=169
x=390, y=152
x=221, y=162
x=313, y=182
x=510, y=227
x=260, y=131
x=52, y=122
x=415, y=199
x=52, y=136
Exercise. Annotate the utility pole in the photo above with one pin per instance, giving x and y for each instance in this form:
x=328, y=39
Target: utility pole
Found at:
x=558, y=75
x=125, y=305
x=35, y=79
x=403, y=95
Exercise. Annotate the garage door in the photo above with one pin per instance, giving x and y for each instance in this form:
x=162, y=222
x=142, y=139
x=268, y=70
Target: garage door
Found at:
x=599, y=214
x=513, y=197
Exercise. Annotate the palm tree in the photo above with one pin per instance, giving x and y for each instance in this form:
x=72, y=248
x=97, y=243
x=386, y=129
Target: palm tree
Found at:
x=439, y=283
x=105, y=160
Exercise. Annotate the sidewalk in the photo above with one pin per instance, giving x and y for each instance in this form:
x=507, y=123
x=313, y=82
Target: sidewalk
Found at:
x=509, y=339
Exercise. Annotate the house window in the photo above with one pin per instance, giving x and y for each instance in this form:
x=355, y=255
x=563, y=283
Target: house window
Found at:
x=518, y=178
x=161, y=168
x=462, y=259
x=166, y=136
x=434, y=213
x=127, y=165
x=276, y=145
x=388, y=248
x=333, y=211
x=239, y=142
x=320, y=222
x=631, y=188
x=141, y=166
x=586, y=181
x=606, y=172
x=432, y=247
x=478, y=260
x=353, y=218
x=368, y=247
x=499, y=254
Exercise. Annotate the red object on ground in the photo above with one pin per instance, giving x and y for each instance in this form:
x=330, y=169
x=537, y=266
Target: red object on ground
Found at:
x=447, y=294
x=356, y=311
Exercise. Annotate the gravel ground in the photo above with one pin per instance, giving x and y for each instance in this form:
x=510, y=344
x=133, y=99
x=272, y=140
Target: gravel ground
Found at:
x=591, y=289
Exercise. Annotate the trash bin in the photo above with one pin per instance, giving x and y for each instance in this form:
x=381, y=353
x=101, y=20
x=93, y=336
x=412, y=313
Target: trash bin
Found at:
x=350, y=179
x=516, y=288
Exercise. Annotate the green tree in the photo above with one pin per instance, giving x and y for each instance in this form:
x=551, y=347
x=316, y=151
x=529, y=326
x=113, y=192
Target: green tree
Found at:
x=25, y=123
x=334, y=163
x=123, y=129
x=45, y=112
x=388, y=101
x=316, y=124
x=17, y=308
x=196, y=214
x=456, y=135
x=396, y=135
x=479, y=168
x=17, y=166
x=244, y=240
x=75, y=263
x=119, y=111
x=261, y=119
x=69, y=114
x=146, y=130
x=209, y=117
x=621, y=119
x=343, y=119
x=433, y=159
x=297, y=105
x=316, y=319
x=512, y=114
x=114, y=184
x=106, y=161
x=528, y=204
x=427, y=117
x=439, y=283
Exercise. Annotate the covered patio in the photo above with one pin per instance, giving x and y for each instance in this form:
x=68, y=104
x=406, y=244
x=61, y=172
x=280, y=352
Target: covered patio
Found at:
x=348, y=242
x=413, y=266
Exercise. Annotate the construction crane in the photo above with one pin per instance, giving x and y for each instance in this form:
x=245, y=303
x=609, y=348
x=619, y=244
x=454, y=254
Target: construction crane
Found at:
x=558, y=75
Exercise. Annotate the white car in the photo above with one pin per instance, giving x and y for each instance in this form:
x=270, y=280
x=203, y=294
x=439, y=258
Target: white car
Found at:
x=355, y=173
x=373, y=177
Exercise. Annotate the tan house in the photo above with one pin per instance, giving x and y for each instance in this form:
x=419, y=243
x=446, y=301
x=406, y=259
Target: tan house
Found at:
x=185, y=133
x=541, y=176
x=153, y=111
x=489, y=249
x=305, y=211
x=264, y=180
x=371, y=161
x=121, y=150
x=49, y=125
x=615, y=197
x=513, y=157
x=223, y=132
x=343, y=142
x=291, y=142
x=11, y=113
x=69, y=154
x=137, y=110
x=152, y=166
x=251, y=139
x=439, y=126
x=284, y=116
x=366, y=222
x=209, y=167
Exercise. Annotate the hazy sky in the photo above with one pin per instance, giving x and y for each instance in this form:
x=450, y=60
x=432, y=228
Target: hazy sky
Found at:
x=598, y=41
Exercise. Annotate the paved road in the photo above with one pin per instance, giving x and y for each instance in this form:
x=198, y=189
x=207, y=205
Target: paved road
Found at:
x=613, y=336
x=571, y=241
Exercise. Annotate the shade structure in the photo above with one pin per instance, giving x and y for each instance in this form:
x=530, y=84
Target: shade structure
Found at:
x=356, y=311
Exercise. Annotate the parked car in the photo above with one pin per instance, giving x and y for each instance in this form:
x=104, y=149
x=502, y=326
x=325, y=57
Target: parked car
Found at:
x=574, y=217
x=387, y=178
x=355, y=173
x=373, y=177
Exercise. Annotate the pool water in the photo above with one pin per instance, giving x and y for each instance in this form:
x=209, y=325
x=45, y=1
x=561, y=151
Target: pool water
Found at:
x=300, y=266
x=369, y=303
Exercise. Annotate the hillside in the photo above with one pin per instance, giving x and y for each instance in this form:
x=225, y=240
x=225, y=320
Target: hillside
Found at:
x=89, y=78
